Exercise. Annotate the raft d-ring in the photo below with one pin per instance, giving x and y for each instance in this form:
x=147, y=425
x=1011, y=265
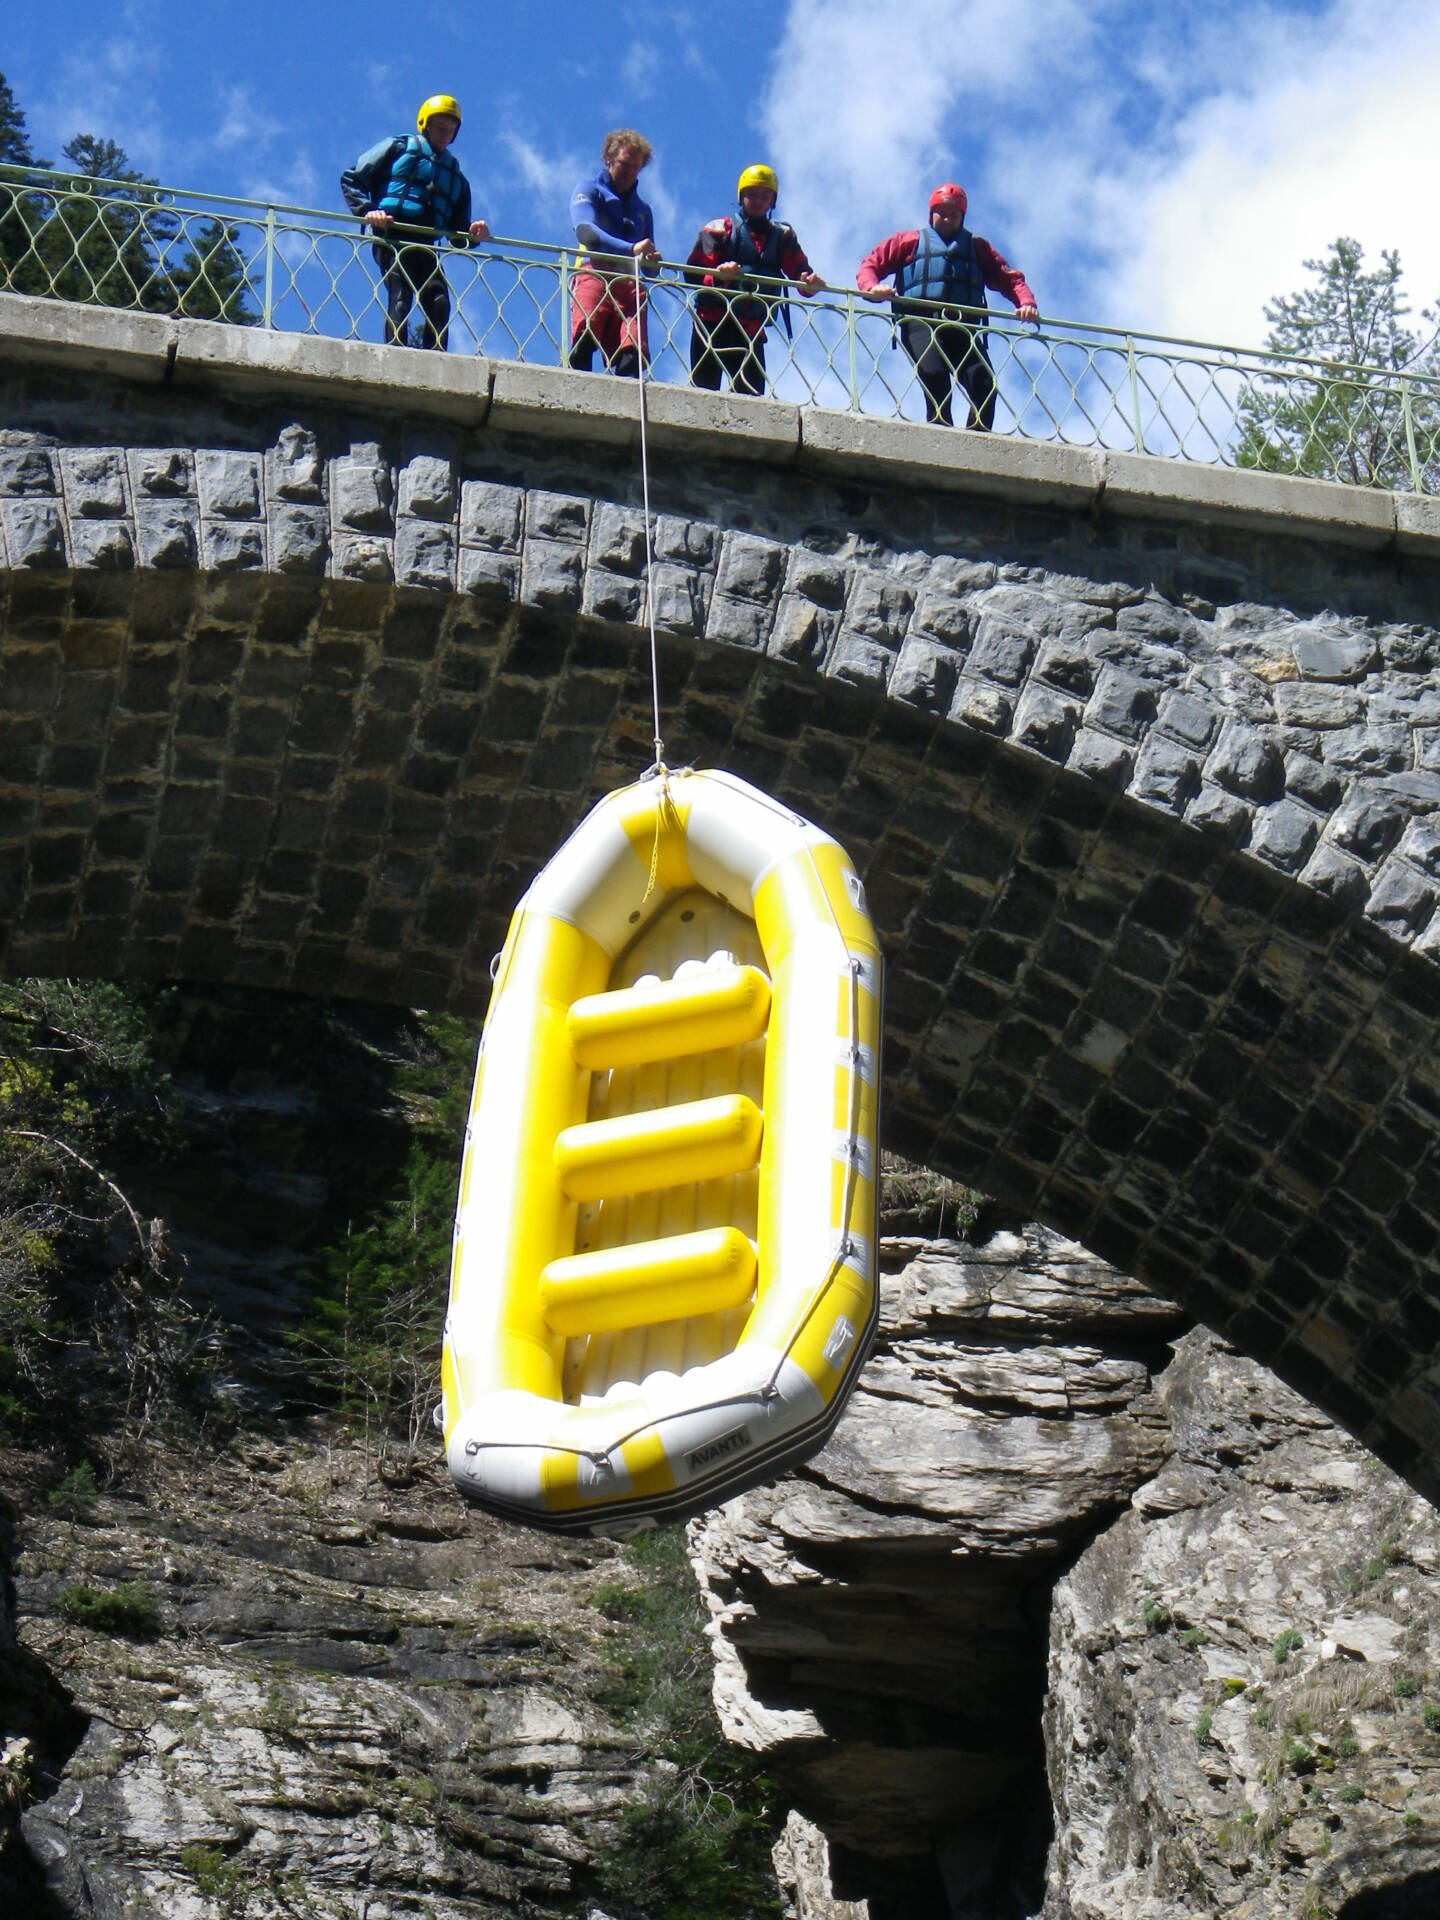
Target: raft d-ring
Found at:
x=495, y=960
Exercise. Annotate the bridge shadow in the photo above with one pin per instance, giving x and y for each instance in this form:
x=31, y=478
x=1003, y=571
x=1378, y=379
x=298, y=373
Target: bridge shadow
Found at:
x=1417, y=1897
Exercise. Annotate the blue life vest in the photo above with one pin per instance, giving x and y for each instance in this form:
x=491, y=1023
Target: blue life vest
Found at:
x=941, y=271
x=755, y=258
x=425, y=187
x=622, y=217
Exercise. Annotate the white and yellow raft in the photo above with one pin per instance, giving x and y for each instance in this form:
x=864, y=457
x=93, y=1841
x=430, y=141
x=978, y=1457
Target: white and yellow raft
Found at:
x=664, y=1274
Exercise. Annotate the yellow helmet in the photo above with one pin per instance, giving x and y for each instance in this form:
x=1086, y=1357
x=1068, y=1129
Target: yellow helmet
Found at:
x=437, y=103
x=758, y=177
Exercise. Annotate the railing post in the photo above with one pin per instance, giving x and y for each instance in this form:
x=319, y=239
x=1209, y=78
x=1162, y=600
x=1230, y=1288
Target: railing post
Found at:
x=850, y=343
x=1417, y=477
x=267, y=309
x=563, y=333
x=1135, y=426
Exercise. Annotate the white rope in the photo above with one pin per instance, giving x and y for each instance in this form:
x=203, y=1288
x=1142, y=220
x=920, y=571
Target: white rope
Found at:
x=649, y=555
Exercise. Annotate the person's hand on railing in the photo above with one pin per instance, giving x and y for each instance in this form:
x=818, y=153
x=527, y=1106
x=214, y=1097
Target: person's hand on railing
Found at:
x=1032, y=314
x=810, y=283
x=646, y=252
x=479, y=230
x=884, y=290
x=381, y=222
x=725, y=270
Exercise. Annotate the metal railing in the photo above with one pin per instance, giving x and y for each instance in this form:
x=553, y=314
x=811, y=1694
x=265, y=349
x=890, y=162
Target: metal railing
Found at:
x=301, y=270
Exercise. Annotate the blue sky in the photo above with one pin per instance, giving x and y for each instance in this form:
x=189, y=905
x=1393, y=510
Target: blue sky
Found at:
x=1162, y=167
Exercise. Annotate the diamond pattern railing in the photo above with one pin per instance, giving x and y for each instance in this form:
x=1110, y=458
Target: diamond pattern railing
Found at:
x=153, y=249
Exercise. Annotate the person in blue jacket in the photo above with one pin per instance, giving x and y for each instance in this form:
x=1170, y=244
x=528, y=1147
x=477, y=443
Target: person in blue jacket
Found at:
x=615, y=227
x=412, y=181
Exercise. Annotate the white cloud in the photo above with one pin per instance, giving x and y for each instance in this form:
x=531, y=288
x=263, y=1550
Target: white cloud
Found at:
x=670, y=229
x=1301, y=141
x=550, y=177
x=240, y=123
x=862, y=109
x=641, y=68
x=299, y=185
x=111, y=91
x=1160, y=169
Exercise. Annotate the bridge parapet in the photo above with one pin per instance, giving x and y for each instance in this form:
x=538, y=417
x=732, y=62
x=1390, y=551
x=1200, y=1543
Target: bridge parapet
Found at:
x=310, y=655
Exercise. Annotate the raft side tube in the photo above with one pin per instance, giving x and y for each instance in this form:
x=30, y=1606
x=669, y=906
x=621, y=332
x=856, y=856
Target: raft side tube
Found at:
x=612, y=1357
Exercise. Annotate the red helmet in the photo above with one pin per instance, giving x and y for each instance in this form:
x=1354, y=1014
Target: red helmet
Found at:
x=946, y=193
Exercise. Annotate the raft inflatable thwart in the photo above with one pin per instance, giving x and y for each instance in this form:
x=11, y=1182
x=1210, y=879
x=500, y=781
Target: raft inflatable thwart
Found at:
x=664, y=1279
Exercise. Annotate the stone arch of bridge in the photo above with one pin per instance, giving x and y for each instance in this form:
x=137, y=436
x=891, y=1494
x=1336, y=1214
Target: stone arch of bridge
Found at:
x=1146, y=798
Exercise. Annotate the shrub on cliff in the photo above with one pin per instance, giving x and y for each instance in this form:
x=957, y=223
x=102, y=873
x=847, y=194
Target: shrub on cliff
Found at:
x=371, y=1336
x=90, y=1303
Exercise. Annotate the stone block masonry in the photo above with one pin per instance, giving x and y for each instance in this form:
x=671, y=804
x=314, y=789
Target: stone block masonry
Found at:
x=312, y=653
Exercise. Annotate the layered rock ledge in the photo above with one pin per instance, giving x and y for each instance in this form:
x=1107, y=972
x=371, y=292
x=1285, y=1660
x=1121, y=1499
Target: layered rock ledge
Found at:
x=1082, y=1613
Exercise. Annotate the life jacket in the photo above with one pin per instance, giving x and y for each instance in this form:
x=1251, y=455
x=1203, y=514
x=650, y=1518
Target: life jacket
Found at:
x=424, y=187
x=755, y=258
x=947, y=272
x=623, y=216
x=752, y=306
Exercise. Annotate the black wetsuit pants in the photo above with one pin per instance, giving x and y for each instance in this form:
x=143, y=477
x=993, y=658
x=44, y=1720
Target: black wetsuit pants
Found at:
x=723, y=346
x=412, y=273
x=943, y=353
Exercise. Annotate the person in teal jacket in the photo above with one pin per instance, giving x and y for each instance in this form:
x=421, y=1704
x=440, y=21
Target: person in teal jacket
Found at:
x=413, y=181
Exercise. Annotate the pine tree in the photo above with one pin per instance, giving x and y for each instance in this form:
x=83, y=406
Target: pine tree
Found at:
x=14, y=141
x=1346, y=419
x=103, y=236
x=19, y=273
x=104, y=243
x=210, y=281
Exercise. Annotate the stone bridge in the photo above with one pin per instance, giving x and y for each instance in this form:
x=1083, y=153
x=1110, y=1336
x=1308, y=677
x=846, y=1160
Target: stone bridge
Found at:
x=312, y=652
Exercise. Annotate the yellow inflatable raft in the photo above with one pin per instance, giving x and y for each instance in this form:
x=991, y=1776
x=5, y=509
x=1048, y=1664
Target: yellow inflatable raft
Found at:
x=664, y=1272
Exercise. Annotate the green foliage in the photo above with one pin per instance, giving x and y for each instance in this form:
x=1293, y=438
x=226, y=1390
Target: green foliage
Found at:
x=128, y=1609
x=1156, y=1616
x=1347, y=1746
x=372, y=1334
x=1345, y=420
x=1430, y=1717
x=913, y=1199
x=100, y=233
x=1350, y=1795
x=1203, y=1726
x=1296, y=1755
x=699, y=1847
x=1381, y=1563
x=80, y=1094
x=75, y=1496
x=14, y=152
x=1192, y=1638
x=1406, y=1686
x=215, y=1876
x=1286, y=1642
x=210, y=281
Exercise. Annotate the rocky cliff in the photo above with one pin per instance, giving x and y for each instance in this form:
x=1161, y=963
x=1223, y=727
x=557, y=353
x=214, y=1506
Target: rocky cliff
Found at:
x=1079, y=1614
x=1082, y=1614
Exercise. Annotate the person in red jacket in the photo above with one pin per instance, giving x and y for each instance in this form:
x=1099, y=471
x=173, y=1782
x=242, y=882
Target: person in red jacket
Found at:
x=937, y=279
x=728, y=336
